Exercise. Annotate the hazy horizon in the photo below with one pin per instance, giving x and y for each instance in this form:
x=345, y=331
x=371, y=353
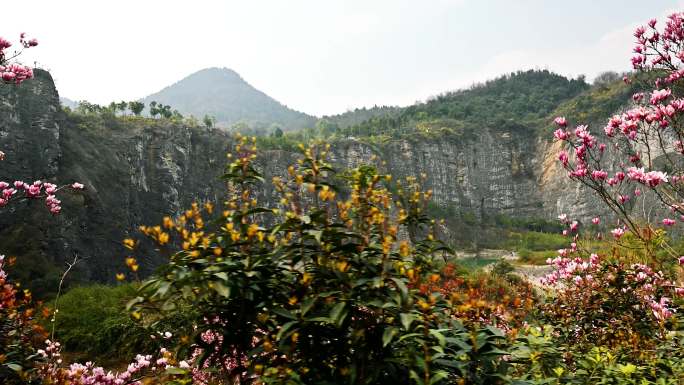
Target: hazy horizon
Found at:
x=324, y=58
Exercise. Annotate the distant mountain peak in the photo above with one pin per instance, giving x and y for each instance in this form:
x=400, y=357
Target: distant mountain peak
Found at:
x=225, y=95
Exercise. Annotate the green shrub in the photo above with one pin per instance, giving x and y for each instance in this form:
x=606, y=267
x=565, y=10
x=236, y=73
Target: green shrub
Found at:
x=320, y=290
x=93, y=321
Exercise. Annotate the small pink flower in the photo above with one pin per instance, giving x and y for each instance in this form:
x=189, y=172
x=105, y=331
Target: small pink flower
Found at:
x=77, y=186
x=617, y=233
x=561, y=134
x=599, y=174
x=669, y=222
x=596, y=220
x=659, y=95
x=561, y=121
x=654, y=178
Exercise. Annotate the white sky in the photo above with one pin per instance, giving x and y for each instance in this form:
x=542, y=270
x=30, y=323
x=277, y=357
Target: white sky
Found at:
x=324, y=56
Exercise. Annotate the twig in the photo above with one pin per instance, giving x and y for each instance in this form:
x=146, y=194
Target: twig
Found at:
x=59, y=291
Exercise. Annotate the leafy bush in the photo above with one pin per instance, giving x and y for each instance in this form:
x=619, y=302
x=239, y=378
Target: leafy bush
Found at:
x=93, y=321
x=319, y=290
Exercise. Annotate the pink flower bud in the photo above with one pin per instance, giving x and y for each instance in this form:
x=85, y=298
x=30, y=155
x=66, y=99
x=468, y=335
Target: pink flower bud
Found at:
x=560, y=121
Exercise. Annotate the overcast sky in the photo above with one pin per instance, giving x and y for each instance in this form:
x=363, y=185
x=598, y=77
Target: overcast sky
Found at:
x=324, y=56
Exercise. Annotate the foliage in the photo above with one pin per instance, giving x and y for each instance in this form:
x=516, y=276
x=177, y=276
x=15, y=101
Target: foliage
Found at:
x=482, y=298
x=18, y=331
x=319, y=290
x=608, y=303
x=537, y=358
x=136, y=107
x=92, y=320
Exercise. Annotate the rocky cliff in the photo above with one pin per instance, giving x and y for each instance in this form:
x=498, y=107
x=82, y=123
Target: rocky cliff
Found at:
x=137, y=170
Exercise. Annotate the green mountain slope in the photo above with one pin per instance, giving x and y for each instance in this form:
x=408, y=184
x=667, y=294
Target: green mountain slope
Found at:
x=223, y=94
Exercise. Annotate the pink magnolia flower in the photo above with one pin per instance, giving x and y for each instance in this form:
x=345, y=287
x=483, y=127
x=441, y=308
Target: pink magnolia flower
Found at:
x=561, y=134
x=669, y=222
x=639, y=32
x=617, y=233
x=33, y=190
x=599, y=174
x=654, y=178
x=636, y=174
x=561, y=121
x=659, y=95
x=4, y=44
x=574, y=226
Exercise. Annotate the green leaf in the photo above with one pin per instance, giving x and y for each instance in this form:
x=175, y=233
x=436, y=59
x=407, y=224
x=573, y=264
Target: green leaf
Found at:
x=306, y=305
x=439, y=336
x=134, y=302
x=284, y=313
x=176, y=371
x=438, y=376
x=402, y=288
x=388, y=334
x=316, y=234
x=415, y=377
x=338, y=313
x=496, y=331
x=16, y=367
x=221, y=289
x=406, y=320
x=163, y=289
x=284, y=329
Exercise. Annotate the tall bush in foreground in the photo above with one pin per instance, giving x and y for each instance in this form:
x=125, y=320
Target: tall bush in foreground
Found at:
x=319, y=290
x=614, y=316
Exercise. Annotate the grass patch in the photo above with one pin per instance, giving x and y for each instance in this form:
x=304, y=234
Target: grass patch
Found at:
x=529, y=257
x=474, y=263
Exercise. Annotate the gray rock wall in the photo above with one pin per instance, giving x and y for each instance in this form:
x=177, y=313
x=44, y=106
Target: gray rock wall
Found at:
x=136, y=172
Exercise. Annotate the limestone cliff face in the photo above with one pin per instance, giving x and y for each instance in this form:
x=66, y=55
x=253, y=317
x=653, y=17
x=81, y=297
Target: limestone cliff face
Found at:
x=133, y=175
x=136, y=173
